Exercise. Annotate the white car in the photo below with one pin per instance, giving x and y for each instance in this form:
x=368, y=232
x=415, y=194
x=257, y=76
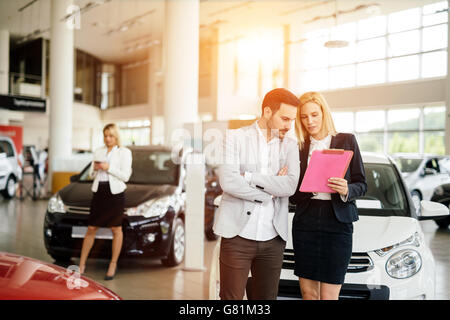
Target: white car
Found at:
x=390, y=258
x=423, y=174
x=10, y=170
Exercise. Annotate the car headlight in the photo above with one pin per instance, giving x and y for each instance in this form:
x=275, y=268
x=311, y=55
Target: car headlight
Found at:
x=404, y=264
x=55, y=204
x=414, y=240
x=153, y=208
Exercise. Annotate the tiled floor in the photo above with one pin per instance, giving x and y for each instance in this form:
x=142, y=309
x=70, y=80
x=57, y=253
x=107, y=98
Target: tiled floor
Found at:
x=21, y=232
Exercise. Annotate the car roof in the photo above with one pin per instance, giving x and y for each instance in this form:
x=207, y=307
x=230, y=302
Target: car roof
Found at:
x=5, y=137
x=373, y=157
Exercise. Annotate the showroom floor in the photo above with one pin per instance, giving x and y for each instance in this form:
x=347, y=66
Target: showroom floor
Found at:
x=21, y=232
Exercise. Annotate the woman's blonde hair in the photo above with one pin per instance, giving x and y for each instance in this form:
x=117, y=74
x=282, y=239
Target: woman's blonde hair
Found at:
x=112, y=127
x=327, y=120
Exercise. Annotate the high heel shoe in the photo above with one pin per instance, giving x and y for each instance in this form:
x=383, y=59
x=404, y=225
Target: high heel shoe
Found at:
x=81, y=269
x=114, y=274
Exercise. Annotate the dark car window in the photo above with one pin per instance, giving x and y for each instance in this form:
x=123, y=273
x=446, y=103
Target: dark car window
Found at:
x=385, y=195
x=408, y=165
x=148, y=167
x=6, y=147
x=433, y=164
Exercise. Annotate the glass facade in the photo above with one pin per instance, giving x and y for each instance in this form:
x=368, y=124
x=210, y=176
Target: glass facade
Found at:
x=415, y=130
x=405, y=45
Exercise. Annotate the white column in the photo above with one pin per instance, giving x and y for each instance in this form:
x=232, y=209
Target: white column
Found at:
x=154, y=94
x=4, y=61
x=447, y=94
x=195, y=213
x=181, y=42
x=61, y=84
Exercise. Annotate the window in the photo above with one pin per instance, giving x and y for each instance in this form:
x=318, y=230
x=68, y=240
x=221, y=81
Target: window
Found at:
x=6, y=147
x=405, y=68
x=372, y=142
x=401, y=46
x=411, y=130
x=434, y=64
x=343, y=121
x=404, y=43
x=404, y=20
x=403, y=119
x=367, y=121
x=371, y=49
x=434, y=37
x=136, y=132
x=434, y=118
x=403, y=142
x=342, y=77
x=370, y=28
x=435, y=13
x=371, y=72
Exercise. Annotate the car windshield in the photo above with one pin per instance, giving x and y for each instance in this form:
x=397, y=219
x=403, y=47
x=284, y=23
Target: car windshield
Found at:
x=408, y=165
x=149, y=167
x=385, y=194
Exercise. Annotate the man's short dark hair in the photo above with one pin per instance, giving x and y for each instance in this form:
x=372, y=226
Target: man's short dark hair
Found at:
x=274, y=98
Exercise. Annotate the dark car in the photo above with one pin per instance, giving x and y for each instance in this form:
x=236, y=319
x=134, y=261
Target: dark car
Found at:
x=154, y=216
x=442, y=195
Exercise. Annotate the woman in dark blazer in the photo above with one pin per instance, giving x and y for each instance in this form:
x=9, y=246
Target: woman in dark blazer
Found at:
x=322, y=228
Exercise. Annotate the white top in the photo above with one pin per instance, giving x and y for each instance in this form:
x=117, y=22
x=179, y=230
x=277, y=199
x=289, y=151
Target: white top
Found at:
x=323, y=144
x=260, y=225
x=103, y=175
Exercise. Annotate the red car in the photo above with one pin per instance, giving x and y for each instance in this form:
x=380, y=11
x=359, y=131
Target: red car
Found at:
x=23, y=278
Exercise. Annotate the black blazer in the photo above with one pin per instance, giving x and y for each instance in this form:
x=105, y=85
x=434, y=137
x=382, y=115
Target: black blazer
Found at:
x=345, y=211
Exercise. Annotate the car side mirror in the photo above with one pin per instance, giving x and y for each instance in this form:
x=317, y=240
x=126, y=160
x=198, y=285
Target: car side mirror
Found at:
x=432, y=210
x=74, y=178
x=3, y=155
x=429, y=171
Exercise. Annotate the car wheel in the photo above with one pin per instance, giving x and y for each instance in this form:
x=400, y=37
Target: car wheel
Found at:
x=443, y=223
x=10, y=190
x=176, y=253
x=416, y=198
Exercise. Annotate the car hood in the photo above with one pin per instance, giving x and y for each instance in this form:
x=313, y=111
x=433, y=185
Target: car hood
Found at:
x=373, y=233
x=25, y=278
x=406, y=174
x=79, y=194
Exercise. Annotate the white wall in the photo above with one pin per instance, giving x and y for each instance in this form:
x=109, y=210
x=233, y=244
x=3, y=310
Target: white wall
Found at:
x=87, y=127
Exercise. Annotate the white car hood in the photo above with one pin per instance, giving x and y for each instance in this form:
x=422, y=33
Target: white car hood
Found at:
x=373, y=233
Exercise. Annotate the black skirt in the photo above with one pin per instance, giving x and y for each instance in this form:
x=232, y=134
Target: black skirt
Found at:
x=107, y=209
x=322, y=244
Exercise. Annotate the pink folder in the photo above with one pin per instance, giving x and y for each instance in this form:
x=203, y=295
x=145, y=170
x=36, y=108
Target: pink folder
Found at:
x=325, y=164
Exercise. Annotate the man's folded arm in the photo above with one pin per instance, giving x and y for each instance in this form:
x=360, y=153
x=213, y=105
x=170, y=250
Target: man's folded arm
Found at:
x=230, y=179
x=280, y=186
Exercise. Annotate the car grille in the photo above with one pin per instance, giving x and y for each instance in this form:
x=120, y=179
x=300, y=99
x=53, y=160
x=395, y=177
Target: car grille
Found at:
x=78, y=210
x=359, y=262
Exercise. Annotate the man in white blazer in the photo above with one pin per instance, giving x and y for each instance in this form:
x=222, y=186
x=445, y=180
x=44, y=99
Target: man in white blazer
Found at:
x=260, y=171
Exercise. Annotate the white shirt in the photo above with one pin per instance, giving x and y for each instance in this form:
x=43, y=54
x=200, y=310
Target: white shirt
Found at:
x=323, y=144
x=260, y=224
x=102, y=174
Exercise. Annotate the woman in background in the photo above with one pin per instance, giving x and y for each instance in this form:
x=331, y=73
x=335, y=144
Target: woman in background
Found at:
x=111, y=169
